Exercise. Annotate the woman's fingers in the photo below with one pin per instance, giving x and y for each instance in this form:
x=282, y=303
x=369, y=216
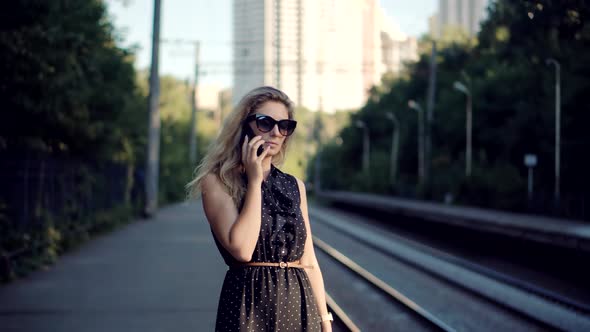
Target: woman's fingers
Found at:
x=264, y=153
x=254, y=148
x=250, y=147
x=244, y=149
x=254, y=140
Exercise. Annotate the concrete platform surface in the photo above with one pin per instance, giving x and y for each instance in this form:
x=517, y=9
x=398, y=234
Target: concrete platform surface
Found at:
x=161, y=274
x=562, y=232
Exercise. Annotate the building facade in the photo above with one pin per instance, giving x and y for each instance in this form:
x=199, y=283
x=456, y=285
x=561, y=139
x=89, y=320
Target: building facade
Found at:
x=325, y=54
x=464, y=14
x=396, y=47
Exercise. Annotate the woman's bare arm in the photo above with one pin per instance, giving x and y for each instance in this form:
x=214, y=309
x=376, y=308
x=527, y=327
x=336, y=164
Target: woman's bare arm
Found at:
x=237, y=232
x=309, y=258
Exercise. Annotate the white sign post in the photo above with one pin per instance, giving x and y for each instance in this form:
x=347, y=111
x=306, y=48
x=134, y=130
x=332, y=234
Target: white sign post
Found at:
x=530, y=161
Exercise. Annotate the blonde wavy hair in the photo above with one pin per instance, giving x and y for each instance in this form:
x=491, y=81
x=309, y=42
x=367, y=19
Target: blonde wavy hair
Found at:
x=224, y=158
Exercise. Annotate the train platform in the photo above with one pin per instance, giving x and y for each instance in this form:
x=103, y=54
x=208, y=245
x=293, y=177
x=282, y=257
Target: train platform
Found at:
x=165, y=274
x=161, y=274
x=561, y=232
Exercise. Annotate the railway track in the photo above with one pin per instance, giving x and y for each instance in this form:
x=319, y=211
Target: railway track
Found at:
x=428, y=321
x=403, y=275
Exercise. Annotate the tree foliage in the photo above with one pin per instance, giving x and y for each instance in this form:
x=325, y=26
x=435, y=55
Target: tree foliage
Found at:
x=73, y=128
x=66, y=87
x=513, y=113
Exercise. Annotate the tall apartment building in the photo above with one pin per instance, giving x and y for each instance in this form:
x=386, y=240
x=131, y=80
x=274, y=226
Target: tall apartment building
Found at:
x=325, y=54
x=466, y=14
x=396, y=47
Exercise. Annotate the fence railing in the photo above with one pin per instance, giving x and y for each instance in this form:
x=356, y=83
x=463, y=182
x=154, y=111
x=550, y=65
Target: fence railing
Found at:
x=38, y=192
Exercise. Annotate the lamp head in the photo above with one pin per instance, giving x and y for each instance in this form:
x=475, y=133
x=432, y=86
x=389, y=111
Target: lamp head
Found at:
x=461, y=87
x=550, y=61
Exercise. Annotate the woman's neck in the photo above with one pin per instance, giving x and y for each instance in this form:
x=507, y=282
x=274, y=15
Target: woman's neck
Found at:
x=266, y=163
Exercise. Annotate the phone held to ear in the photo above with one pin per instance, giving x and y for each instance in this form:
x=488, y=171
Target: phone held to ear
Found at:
x=251, y=135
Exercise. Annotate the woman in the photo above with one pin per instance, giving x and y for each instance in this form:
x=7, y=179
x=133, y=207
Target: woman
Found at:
x=259, y=219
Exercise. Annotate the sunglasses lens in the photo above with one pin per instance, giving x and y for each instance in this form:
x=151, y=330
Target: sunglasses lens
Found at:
x=265, y=123
x=286, y=127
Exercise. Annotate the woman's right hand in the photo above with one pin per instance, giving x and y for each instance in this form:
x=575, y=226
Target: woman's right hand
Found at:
x=251, y=161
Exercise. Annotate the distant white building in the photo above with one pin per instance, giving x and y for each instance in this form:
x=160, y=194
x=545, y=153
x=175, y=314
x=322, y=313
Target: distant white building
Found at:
x=208, y=97
x=397, y=48
x=324, y=54
x=464, y=14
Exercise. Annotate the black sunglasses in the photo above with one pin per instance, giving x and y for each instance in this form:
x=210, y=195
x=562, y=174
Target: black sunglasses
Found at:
x=265, y=123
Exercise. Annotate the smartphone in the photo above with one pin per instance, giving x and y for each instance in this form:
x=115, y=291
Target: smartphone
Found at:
x=248, y=131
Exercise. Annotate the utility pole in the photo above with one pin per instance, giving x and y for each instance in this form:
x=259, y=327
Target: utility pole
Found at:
x=193, y=99
x=366, y=145
x=469, y=129
x=430, y=113
x=194, y=105
x=278, y=42
x=557, y=128
x=153, y=149
x=468, y=124
x=317, y=135
x=414, y=105
x=299, y=52
x=394, y=147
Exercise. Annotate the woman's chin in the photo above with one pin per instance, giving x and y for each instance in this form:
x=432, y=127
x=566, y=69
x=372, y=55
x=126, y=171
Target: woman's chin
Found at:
x=272, y=151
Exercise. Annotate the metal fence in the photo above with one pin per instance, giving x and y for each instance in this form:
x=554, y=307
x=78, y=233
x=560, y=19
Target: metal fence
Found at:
x=36, y=188
x=29, y=184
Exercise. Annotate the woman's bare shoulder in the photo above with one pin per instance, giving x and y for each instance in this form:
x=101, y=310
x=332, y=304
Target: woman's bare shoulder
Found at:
x=302, y=190
x=216, y=200
x=212, y=185
x=300, y=183
x=210, y=180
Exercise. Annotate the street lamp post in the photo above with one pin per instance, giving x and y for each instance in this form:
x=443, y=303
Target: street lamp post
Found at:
x=468, y=125
x=316, y=134
x=530, y=161
x=194, y=99
x=554, y=62
x=153, y=144
x=362, y=125
x=394, y=146
x=421, y=169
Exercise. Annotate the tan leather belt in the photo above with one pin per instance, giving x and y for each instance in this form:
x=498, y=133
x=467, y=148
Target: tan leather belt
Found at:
x=282, y=265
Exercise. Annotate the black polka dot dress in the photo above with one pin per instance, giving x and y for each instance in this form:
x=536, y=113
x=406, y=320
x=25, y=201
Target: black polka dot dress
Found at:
x=268, y=298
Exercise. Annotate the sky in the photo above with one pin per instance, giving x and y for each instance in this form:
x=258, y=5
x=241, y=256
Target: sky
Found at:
x=210, y=23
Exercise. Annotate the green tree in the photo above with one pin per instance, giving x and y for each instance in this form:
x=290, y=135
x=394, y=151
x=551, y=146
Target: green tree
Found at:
x=73, y=120
x=67, y=88
x=513, y=112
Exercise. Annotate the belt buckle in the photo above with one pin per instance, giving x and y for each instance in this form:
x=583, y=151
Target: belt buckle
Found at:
x=283, y=265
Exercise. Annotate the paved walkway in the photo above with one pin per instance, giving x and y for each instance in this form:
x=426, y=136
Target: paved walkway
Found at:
x=163, y=274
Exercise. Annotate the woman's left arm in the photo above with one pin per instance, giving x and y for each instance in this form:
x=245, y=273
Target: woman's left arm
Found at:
x=309, y=258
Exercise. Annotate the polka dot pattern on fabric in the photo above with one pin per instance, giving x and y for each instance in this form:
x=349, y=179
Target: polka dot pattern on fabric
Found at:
x=268, y=298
